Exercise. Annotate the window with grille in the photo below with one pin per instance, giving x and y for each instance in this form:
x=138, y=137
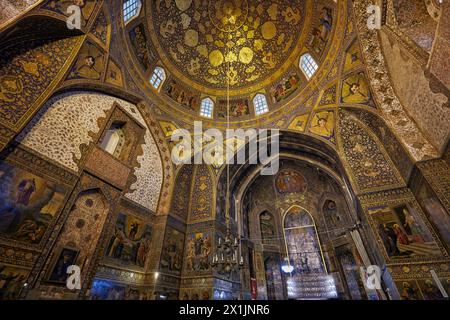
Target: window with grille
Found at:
x=308, y=65
x=131, y=9
x=206, y=108
x=158, y=77
x=260, y=103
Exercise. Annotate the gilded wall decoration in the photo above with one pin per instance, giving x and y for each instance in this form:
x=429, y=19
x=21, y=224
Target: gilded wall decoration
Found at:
x=181, y=193
x=328, y=96
x=352, y=57
x=27, y=71
x=299, y=123
x=90, y=63
x=101, y=29
x=407, y=131
x=202, y=197
x=131, y=242
x=172, y=253
x=369, y=167
x=69, y=120
x=139, y=42
x=80, y=235
x=323, y=124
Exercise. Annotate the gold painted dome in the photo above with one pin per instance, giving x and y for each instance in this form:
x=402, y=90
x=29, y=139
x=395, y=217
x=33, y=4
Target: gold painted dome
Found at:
x=204, y=43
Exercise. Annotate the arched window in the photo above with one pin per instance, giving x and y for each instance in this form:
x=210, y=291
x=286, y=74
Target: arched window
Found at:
x=131, y=9
x=207, y=108
x=114, y=140
x=302, y=242
x=308, y=65
x=158, y=77
x=260, y=103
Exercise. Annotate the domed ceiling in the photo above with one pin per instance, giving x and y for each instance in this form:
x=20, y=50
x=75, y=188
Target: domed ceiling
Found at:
x=234, y=47
x=204, y=43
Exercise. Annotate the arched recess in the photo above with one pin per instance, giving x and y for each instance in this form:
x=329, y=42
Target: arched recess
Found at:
x=70, y=121
x=323, y=162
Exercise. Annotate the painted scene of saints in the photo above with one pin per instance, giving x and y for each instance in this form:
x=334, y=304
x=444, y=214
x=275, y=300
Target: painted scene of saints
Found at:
x=28, y=204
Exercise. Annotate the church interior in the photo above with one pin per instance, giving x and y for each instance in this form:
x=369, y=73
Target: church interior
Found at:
x=94, y=207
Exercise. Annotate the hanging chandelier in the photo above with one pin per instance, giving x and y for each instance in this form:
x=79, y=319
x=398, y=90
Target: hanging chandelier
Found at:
x=228, y=258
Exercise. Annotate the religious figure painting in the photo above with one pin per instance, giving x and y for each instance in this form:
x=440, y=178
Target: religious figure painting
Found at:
x=67, y=257
x=28, y=204
x=109, y=290
x=403, y=232
x=139, y=42
x=430, y=290
x=321, y=33
x=285, y=87
x=172, y=253
x=179, y=94
x=90, y=63
x=12, y=280
x=290, y=181
x=130, y=244
x=198, y=251
x=322, y=124
x=267, y=225
x=409, y=290
x=355, y=89
x=238, y=108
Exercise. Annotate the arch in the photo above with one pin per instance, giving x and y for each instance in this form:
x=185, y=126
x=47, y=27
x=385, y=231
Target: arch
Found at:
x=308, y=65
x=299, y=227
x=260, y=104
x=207, y=108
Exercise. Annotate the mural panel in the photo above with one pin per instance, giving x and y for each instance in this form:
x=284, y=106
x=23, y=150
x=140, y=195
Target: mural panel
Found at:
x=12, y=280
x=28, y=204
x=172, y=253
x=198, y=252
x=130, y=245
x=403, y=232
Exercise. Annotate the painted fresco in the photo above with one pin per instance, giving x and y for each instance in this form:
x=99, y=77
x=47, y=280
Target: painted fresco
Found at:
x=267, y=225
x=198, y=252
x=322, y=124
x=109, y=290
x=12, y=280
x=290, y=181
x=299, y=123
x=130, y=244
x=355, y=89
x=285, y=87
x=402, y=232
x=181, y=95
x=238, y=108
x=66, y=258
x=28, y=204
x=172, y=253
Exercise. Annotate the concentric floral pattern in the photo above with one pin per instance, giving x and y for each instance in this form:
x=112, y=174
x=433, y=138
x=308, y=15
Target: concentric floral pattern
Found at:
x=244, y=40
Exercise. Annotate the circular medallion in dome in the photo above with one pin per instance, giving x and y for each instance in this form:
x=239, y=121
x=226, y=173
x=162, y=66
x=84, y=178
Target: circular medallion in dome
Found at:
x=208, y=43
